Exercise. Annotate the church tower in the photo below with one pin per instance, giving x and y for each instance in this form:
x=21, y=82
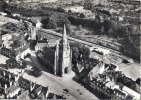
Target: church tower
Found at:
x=66, y=55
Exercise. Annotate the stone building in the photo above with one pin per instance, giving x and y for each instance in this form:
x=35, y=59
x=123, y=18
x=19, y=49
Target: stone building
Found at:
x=59, y=59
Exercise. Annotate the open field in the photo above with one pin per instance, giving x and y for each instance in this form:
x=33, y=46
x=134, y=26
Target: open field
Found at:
x=89, y=33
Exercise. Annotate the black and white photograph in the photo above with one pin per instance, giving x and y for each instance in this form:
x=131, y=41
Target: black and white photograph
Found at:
x=70, y=49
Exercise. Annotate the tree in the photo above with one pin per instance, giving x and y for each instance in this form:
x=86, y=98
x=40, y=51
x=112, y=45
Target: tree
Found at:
x=102, y=30
x=138, y=81
x=16, y=43
x=85, y=51
x=36, y=71
x=60, y=9
x=110, y=24
x=82, y=15
x=68, y=29
x=75, y=55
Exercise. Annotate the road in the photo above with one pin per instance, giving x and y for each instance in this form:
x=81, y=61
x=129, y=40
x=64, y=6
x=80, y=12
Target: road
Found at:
x=57, y=83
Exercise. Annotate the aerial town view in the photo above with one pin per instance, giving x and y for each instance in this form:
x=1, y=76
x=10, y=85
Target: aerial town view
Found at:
x=70, y=49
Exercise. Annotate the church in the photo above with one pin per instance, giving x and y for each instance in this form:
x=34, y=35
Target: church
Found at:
x=57, y=59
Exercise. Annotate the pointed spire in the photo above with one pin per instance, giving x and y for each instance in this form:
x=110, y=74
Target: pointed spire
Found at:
x=64, y=38
x=64, y=31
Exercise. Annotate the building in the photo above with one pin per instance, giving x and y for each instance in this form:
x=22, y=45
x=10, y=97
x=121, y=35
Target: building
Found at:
x=6, y=37
x=40, y=45
x=6, y=44
x=24, y=95
x=132, y=93
x=12, y=63
x=38, y=24
x=12, y=91
x=59, y=59
x=12, y=53
x=7, y=52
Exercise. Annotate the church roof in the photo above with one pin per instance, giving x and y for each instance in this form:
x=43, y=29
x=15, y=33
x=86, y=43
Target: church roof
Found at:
x=49, y=54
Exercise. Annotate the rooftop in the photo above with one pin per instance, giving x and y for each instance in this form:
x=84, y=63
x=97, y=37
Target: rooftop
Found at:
x=24, y=95
x=131, y=92
x=6, y=35
x=41, y=44
x=11, y=89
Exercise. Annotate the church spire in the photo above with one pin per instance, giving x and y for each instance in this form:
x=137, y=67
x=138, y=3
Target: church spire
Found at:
x=64, y=38
x=64, y=33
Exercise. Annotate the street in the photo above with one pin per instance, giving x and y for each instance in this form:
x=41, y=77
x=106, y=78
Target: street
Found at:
x=58, y=83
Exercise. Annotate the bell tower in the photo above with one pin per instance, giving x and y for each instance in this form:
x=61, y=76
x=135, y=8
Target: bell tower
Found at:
x=66, y=55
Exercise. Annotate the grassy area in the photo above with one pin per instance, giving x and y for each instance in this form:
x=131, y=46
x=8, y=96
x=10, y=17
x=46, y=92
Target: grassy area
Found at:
x=85, y=32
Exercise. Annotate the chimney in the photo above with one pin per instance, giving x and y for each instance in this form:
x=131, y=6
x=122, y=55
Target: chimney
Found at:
x=10, y=83
x=43, y=97
x=3, y=73
x=47, y=92
x=16, y=77
x=9, y=75
x=15, y=84
x=32, y=86
x=5, y=86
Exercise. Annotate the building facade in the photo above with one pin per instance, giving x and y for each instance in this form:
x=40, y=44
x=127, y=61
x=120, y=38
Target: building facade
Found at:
x=59, y=59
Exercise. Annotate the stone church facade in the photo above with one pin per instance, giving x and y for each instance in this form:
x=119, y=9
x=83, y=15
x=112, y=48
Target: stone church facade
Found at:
x=58, y=59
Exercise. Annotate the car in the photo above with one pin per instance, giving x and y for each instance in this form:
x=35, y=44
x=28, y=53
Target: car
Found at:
x=66, y=90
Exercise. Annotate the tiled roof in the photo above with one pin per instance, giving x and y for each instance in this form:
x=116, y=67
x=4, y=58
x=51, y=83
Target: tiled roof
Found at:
x=42, y=41
x=79, y=67
x=102, y=76
x=119, y=92
x=44, y=90
x=23, y=95
x=109, y=90
x=50, y=96
x=11, y=89
x=129, y=97
x=6, y=35
x=37, y=90
x=41, y=45
x=49, y=54
x=32, y=96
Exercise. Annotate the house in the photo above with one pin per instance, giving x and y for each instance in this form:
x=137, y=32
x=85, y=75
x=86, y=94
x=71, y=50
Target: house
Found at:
x=38, y=24
x=7, y=52
x=38, y=91
x=120, y=95
x=6, y=37
x=6, y=44
x=111, y=67
x=132, y=93
x=24, y=83
x=24, y=95
x=12, y=91
x=87, y=62
x=93, y=73
x=40, y=45
x=12, y=63
x=44, y=93
x=78, y=68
